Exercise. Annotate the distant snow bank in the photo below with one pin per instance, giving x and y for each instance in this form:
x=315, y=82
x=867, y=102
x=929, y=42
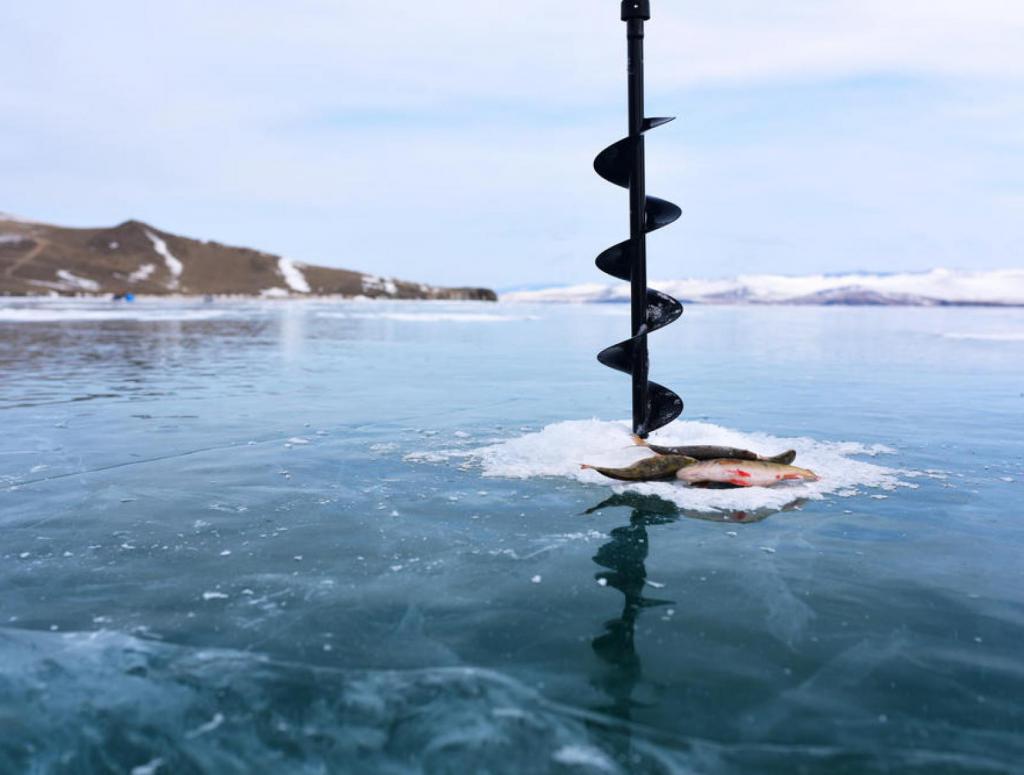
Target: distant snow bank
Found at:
x=939, y=286
x=560, y=448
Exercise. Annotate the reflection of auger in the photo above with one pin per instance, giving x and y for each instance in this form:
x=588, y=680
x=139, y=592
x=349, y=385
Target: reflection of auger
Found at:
x=622, y=163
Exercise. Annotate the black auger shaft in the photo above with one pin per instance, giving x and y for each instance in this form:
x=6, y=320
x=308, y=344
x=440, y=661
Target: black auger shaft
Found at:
x=634, y=13
x=622, y=163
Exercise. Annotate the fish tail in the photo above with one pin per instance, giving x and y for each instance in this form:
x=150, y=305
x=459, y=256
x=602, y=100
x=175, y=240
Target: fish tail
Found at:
x=640, y=442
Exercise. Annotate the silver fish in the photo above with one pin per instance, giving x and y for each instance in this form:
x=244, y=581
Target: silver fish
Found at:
x=744, y=473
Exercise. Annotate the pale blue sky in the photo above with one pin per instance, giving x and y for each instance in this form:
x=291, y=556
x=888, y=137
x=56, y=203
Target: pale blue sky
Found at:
x=452, y=142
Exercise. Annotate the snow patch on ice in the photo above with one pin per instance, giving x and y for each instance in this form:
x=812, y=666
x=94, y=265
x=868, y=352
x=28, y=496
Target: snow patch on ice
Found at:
x=440, y=456
x=560, y=448
x=992, y=336
x=149, y=768
x=82, y=283
x=293, y=276
x=584, y=756
x=174, y=266
x=428, y=317
x=128, y=312
x=209, y=726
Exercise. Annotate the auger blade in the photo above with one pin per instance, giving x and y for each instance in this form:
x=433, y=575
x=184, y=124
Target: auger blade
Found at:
x=662, y=310
x=661, y=213
x=622, y=163
x=616, y=260
x=664, y=406
x=618, y=356
x=651, y=123
x=613, y=162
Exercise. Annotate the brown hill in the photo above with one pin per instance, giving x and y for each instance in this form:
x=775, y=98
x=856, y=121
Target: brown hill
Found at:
x=38, y=258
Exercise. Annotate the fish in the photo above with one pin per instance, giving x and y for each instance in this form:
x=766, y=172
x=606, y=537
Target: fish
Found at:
x=709, y=452
x=654, y=467
x=743, y=473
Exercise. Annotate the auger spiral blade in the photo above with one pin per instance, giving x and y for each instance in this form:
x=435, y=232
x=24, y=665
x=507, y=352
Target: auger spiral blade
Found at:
x=622, y=163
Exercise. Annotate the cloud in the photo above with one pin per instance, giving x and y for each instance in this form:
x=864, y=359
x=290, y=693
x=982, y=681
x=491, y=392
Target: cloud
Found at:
x=749, y=41
x=452, y=142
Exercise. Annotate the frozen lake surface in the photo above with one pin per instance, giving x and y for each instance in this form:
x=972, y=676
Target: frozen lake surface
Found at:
x=354, y=537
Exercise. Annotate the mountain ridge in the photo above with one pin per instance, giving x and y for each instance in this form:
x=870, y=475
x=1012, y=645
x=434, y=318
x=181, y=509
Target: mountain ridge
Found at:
x=133, y=257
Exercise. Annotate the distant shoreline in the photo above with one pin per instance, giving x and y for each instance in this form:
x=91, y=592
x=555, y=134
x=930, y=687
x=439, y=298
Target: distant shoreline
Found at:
x=236, y=297
x=55, y=296
x=755, y=303
x=934, y=288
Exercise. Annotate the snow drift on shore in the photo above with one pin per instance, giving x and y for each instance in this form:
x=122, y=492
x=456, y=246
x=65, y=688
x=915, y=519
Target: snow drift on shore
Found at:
x=939, y=286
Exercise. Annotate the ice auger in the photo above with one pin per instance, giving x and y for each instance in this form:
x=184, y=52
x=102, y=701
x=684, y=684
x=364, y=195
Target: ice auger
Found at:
x=622, y=163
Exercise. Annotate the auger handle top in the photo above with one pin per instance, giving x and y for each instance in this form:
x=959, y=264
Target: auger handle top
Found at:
x=636, y=9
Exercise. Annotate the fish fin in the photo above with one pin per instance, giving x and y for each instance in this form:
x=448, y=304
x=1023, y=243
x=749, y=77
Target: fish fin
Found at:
x=584, y=466
x=801, y=474
x=639, y=441
x=806, y=474
x=786, y=458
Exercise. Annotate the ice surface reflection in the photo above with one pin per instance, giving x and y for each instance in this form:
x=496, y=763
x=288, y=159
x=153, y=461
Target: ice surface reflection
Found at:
x=270, y=537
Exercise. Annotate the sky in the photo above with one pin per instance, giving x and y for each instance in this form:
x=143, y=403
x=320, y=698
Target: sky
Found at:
x=452, y=142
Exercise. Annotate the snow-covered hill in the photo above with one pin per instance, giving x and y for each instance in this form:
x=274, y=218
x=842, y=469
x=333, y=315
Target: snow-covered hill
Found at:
x=1004, y=287
x=134, y=257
